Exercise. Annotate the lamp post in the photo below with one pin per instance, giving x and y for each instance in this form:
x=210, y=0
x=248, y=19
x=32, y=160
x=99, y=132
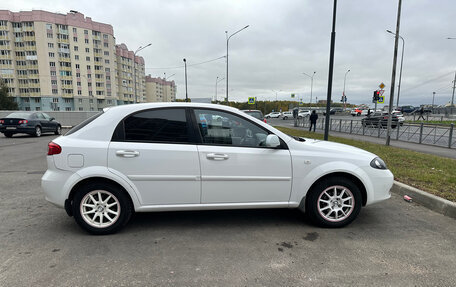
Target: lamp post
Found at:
x=311, y=85
x=343, y=93
x=134, y=65
x=433, y=96
x=227, y=41
x=216, y=82
x=186, y=93
x=400, y=70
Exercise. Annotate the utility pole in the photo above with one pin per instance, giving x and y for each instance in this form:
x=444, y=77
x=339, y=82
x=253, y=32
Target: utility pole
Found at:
x=186, y=93
x=330, y=74
x=393, y=74
x=454, y=85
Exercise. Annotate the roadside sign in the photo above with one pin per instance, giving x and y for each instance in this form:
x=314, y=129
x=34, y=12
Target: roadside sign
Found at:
x=381, y=86
x=381, y=98
x=251, y=100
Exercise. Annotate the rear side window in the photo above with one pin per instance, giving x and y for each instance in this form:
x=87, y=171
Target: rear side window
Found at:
x=162, y=125
x=84, y=123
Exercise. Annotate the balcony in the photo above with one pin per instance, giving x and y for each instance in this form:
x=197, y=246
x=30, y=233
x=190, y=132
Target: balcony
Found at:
x=62, y=40
x=30, y=48
x=64, y=68
x=5, y=47
x=67, y=87
x=28, y=29
x=65, y=59
x=32, y=67
x=28, y=38
x=4, y=37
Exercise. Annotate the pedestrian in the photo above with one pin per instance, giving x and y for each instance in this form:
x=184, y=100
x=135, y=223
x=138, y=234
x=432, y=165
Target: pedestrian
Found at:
x=421, y=113
x=313, y=120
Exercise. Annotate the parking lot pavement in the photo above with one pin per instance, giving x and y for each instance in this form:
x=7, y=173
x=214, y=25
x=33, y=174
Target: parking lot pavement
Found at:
x=394, y=243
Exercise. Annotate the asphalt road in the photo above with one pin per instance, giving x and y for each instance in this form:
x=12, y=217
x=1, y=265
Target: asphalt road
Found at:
x=394, y=243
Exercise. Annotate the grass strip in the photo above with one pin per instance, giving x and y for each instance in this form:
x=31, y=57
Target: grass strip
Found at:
x=431, y=173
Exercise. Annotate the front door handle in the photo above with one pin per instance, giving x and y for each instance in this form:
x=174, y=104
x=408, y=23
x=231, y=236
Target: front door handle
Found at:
x=217, y=156
x=127, y=153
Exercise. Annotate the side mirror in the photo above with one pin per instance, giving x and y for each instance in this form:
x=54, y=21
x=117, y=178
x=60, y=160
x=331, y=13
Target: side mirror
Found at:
x=51, y=119
x=272, y=141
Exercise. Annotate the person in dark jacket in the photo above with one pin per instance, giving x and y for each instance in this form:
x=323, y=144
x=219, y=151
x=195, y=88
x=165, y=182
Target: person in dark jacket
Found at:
x=313, y=120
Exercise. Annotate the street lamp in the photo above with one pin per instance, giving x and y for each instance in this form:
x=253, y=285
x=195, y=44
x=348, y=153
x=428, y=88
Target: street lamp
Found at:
x=311, y=85
x=400, y=71
x=186, y=94
x=227, y=41
x=134, y=65
x=343, y=93
x=433, y=96
x=216, y=82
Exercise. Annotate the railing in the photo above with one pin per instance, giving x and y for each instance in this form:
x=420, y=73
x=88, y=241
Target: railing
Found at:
x=431, y=134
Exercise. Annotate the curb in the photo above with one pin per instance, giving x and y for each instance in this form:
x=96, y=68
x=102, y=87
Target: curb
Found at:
x=425, y=199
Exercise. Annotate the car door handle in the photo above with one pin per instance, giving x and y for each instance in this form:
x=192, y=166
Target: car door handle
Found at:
x=217, y=156
x=127, y=153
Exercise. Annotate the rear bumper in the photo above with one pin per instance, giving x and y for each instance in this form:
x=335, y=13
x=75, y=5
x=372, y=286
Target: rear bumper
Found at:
x=54, y=183
x=16, y=130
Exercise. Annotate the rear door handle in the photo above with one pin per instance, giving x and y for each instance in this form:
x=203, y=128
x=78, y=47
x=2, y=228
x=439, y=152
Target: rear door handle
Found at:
x=217, y=156
x=127, y=153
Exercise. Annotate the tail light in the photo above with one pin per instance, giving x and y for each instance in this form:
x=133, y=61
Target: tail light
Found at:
x=385, y=118
x=54, y=148
x=265, y=120
x=23, y=122
x=2, y=121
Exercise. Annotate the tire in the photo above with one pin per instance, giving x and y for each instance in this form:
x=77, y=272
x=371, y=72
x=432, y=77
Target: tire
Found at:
x=285, y=118
x=58, y=130
x=37, y=131
x=324, y=202
x=103, y=217
x=8, y=135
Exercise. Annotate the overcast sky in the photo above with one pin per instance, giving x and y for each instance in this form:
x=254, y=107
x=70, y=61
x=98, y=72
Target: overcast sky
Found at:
x=285, y=39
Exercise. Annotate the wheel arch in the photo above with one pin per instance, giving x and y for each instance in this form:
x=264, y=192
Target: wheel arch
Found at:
x=89, y=180
x=346, y=175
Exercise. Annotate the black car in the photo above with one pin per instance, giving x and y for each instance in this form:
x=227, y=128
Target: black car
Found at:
x=407, y=109
x=373, y=120
x=333, y=111
x=32, y=123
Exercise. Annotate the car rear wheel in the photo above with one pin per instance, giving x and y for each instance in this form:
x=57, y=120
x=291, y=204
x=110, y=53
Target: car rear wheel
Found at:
x=333, y=202
x=37, y=131
x=285, y=117
x=101, y=208
x=8, y=135
x=58, y=130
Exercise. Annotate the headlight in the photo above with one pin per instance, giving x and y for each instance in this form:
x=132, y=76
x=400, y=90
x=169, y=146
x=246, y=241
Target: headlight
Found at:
x=378, y=163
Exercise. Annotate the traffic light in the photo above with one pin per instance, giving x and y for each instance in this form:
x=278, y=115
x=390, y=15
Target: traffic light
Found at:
x=376, y=96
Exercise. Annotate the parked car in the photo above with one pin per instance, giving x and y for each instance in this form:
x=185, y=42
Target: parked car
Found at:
x=32, y=123
x=407, y=109
x=273, y=115
x=256, y=114
x=359, y=112
x=333, y=111
x=377, y=118
x=164, y=157
x=303, y=114
x=287, y=115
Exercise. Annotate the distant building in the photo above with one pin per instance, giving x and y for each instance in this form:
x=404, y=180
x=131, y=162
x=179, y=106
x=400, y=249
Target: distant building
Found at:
x=126, y=76
x=160, y=90
x=60, y=62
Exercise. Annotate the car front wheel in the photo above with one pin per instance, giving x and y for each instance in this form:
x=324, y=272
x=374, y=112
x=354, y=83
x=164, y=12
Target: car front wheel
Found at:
x=101, y=208
x=8, y=135
x=37, y=131
x=333, y=202
x=58, y=130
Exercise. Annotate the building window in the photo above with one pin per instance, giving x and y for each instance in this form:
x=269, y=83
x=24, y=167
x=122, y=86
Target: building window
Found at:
x=87, y=50
x=76, y=48
x=88, y=59
x=80, y=109
x=53, y=73
x=86, y=41
x=106, y=61
x=55, y=100
x=106, y=45
x=76, y=57
x=50, y=36
x=51, y=45
x=51, y=55
x=88, y=67
x=74, y=30
x=106, y=53
x=75, y=39
x=86, y=32
x=37, y=109
x=80, y=101
x=78, y=75
x=55, y=91
x=52, y=64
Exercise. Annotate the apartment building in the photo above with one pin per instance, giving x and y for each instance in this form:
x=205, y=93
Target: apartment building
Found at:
x=63, y=62
x=130, y=66
x=160, y=90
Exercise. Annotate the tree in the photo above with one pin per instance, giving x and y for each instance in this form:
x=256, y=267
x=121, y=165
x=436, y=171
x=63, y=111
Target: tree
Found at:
x=6, y=103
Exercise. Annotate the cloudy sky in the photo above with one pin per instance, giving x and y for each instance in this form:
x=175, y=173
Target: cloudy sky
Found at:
x=285, y=38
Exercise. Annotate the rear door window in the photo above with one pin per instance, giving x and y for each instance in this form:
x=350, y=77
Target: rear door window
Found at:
x=158, y=126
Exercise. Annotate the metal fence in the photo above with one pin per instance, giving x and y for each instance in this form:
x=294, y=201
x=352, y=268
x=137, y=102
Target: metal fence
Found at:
x=432, y=134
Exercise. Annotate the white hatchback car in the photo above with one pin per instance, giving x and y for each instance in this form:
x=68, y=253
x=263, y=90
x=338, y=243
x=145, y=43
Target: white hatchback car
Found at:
x=184, y=156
